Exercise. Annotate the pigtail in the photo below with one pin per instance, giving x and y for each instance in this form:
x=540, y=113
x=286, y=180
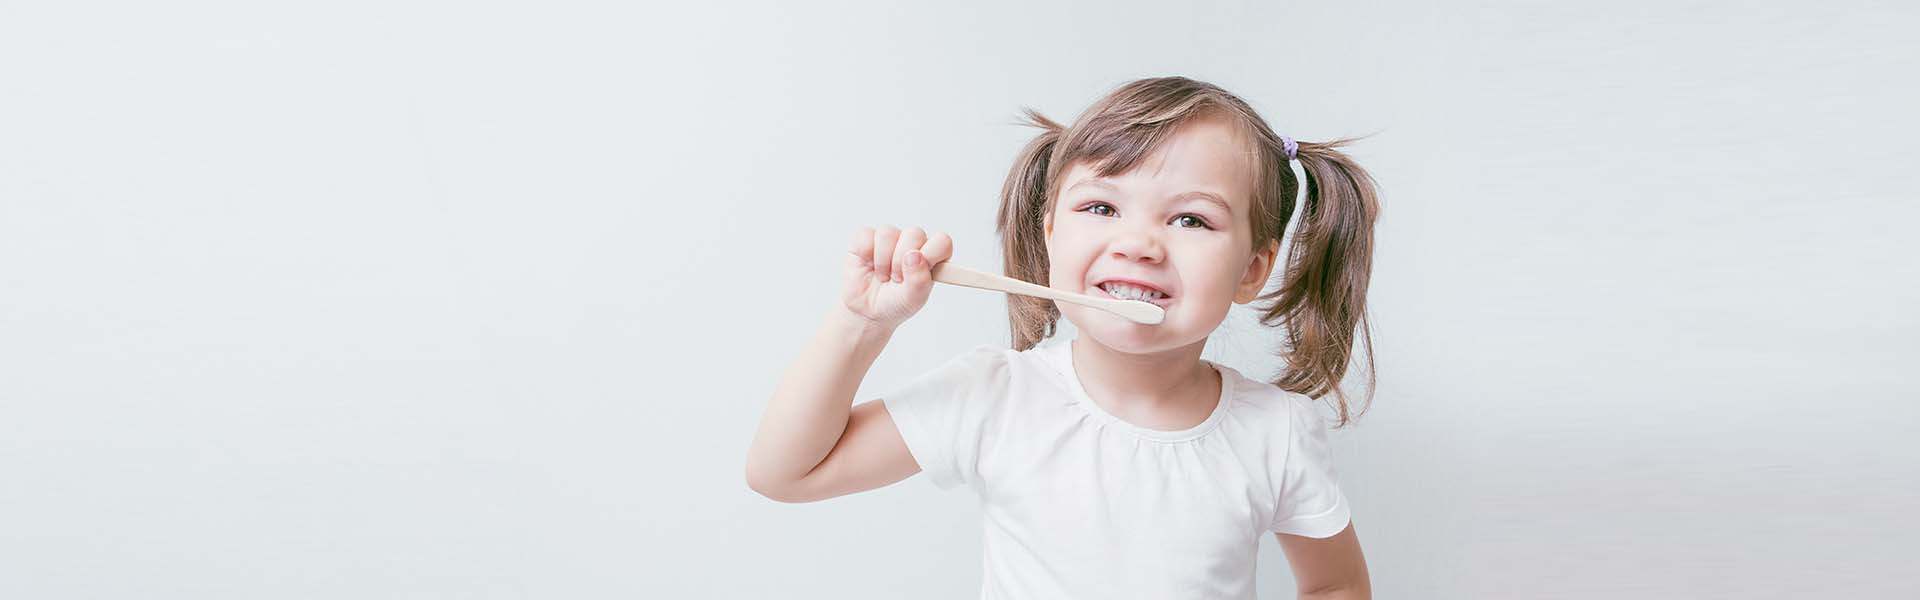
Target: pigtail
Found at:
x=1323, y=297
x=1023, y=208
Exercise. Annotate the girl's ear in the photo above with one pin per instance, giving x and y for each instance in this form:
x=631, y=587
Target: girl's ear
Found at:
x=1046, y=225
x=1258, y=270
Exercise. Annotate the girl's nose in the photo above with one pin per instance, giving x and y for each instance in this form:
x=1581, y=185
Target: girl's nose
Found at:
x=1136, y=245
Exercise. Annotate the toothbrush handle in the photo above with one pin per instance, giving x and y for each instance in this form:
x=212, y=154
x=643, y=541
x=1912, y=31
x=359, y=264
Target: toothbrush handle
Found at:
x=950, y=273
x=1140, y=312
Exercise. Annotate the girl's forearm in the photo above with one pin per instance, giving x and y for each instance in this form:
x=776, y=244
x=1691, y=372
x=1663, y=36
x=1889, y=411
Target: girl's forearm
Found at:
x=810, y=407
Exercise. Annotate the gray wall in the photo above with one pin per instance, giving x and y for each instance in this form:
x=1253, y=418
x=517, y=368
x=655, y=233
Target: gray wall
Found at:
x=437, y=299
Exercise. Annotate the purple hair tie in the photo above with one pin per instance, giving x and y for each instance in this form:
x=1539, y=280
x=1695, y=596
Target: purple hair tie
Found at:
x=1292, y=146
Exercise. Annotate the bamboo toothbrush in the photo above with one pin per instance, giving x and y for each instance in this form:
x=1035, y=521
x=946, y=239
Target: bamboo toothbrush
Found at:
x=1132, y=310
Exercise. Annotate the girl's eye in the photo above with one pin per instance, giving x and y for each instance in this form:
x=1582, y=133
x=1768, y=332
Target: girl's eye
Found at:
x=1104, y=210
x=1196, y=219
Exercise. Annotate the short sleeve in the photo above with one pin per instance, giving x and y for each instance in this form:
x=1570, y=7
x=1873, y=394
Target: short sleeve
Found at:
x=943, y=414
x=1310, y=503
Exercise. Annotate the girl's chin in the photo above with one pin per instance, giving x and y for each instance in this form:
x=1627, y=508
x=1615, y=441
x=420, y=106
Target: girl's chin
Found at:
x=1126, y=337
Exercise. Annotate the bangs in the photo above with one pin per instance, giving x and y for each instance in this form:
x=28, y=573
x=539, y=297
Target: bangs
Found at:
x=1113, y=143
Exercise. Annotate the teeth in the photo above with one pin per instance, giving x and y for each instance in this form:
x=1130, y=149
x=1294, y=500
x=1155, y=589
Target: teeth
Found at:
x=1128, y=292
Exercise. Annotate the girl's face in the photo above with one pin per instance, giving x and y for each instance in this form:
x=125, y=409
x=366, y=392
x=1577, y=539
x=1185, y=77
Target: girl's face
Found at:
x=1178, y=223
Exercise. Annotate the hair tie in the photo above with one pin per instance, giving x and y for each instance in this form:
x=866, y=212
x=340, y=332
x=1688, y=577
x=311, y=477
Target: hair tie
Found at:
x=1291, y=146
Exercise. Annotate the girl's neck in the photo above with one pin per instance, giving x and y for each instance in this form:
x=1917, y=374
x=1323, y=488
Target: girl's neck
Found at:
x=1169, y=386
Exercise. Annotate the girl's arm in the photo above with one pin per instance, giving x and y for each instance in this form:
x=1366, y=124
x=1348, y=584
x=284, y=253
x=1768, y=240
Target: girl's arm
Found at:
x=811, y=445
x=1328, y=568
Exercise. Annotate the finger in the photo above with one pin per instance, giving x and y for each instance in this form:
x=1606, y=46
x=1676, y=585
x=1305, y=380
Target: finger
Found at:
x=910, y=240
x=938, y=249
x=857, y=267
x=884, y=239
x=860, y=253
x=862, y=245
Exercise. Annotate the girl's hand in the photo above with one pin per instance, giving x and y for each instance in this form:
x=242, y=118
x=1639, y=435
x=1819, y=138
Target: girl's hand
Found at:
x=890, y=272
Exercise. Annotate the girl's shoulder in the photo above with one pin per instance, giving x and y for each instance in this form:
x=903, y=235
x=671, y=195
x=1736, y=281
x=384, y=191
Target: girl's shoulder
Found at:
x=1278, y=413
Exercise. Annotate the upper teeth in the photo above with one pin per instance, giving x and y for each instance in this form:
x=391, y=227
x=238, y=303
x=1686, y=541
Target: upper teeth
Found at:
x=1121, y=290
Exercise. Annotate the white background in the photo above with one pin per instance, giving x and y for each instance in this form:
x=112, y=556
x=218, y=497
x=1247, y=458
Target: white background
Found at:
x=484, y=300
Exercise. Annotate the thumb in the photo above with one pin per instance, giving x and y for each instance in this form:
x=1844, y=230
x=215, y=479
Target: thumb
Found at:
x=918, y=272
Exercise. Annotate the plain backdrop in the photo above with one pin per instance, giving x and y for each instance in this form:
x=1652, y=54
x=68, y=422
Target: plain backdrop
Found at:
x=485, y=300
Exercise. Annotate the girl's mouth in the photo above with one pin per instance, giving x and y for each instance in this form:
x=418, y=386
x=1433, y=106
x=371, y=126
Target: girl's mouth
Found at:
x=1124, y=292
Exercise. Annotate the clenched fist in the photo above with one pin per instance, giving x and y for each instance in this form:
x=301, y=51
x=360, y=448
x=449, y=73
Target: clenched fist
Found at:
x=890, y=272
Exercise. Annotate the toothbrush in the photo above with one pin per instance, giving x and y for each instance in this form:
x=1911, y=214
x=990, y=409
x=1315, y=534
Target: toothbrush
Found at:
x=1132, y=310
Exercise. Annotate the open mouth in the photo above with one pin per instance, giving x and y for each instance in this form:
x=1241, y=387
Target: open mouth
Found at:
x=1134, y=291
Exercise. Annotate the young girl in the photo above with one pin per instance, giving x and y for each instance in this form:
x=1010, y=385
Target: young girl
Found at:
x=1118, y=463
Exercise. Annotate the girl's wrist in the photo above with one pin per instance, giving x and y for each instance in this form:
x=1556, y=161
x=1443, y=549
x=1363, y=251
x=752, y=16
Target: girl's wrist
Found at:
x=855, y=326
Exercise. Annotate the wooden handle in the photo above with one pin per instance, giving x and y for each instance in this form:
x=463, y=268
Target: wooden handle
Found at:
x=1140, y=312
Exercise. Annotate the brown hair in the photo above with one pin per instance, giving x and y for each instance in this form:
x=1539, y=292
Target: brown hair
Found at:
x=1323, y=291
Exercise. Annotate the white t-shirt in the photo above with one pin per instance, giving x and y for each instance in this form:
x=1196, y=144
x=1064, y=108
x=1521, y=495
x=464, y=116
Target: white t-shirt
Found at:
x=1079, y=503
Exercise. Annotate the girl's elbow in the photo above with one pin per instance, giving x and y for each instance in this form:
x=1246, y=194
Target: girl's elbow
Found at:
x=775, y=493
x=764, y=486
x=1345, y=590
x=783, y=492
